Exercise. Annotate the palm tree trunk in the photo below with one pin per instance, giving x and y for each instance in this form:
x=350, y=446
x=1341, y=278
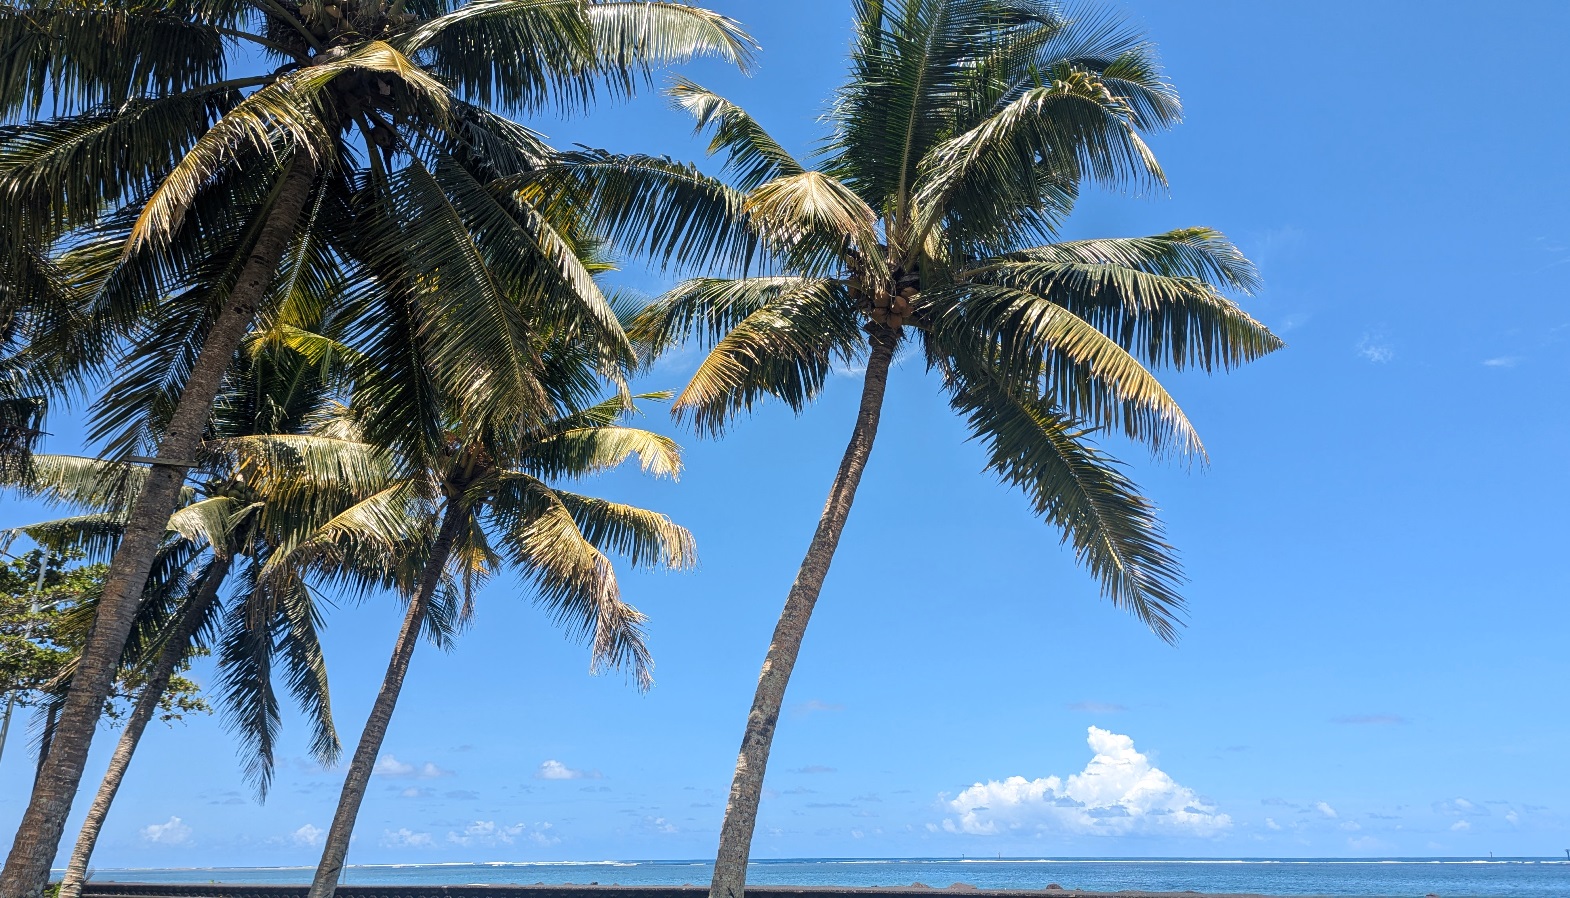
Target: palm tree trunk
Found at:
x=38, y=838
x=359, y=777
x=741, y=811
x=174, y=651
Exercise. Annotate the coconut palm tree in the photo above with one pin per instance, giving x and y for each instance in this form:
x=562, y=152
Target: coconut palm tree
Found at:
x=269, y=629
x=170, y=150
x=957, y=147
x=473, y=509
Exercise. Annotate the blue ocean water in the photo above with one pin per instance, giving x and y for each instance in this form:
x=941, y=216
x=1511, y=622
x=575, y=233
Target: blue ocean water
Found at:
x=1343, y=878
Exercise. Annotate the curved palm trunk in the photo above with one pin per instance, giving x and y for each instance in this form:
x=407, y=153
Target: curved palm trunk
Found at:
x=169, y=658
x=741, y=811
x=358, y=778
x=38, y=838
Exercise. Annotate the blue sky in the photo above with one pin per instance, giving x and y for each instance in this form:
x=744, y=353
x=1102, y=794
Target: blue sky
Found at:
x=1376, y=658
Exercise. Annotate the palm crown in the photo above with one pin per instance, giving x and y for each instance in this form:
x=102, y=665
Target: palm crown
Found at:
x=958, y=147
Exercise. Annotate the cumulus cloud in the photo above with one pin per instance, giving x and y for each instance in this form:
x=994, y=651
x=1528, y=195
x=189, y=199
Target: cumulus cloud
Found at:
x=1098, y=707
x=490, y=834
x=1324, y=807
x=405, y=838
x=660, y=825
x=171, y=832
x=1460, y=826
x=556, y=770
x=308, y=835
x=1460, y=807
x=387, y=765
x=1118, y=793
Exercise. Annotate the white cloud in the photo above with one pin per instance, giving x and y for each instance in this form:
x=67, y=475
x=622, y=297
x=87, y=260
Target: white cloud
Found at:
x=171, y=832
x=1460, y=807
x=1375, y=349
x=1270, y=822
x=387, y=765
x=1504, y=361
x=489, y=833
x=660, y=825
x=405, y=838
x=556, y=770
x=1512, y=817
x=1460, y=826
x=308, y=835
x=1324, y=807
x=1118, y=793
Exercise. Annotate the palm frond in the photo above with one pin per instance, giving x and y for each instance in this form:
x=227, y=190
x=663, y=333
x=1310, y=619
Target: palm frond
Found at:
x=1040, y=347
x=1153, y=295
x=1081, y=491
x=667, y=211
x=752, y=157
x=592, y=450
x=776, y=337
x=572, y=578
x=645, y=538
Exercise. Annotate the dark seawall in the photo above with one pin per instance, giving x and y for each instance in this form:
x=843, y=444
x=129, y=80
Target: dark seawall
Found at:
x=103, y=889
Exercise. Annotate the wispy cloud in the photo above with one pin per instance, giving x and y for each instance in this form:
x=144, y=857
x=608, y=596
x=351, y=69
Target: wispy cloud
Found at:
x=813, y=768
x=1324, y=808
x=1375, y=349
x=405, y=838
x=1098, y=707
x=1504, y=361
x=489, y=833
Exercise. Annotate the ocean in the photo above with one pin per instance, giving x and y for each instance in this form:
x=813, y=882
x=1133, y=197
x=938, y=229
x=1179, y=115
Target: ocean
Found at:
x=1343, y=878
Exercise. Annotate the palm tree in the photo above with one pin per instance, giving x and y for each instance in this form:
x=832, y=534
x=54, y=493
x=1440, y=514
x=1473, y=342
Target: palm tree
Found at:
x=189, y=176
x=957, y=148
x=477, y=503
x=224, y=523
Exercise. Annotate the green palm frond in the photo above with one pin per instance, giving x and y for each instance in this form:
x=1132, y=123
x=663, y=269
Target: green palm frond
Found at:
x=533, y=259
x=207, y=522
x=752, y=156
x=808, y=212
x=631, y=36
x=81, y=482
x=515, y=54
x=1153, y=295
x=645, y=538
x=77, y=55
x=1044, y=348
x=60, y=173
x=305, y=673
x=571, y=577
x=1079, y=490
x=668, y=211
x=765, y=337
x=95, y=534
x=287, y=113
x=1073, y=127
x=593, y=450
